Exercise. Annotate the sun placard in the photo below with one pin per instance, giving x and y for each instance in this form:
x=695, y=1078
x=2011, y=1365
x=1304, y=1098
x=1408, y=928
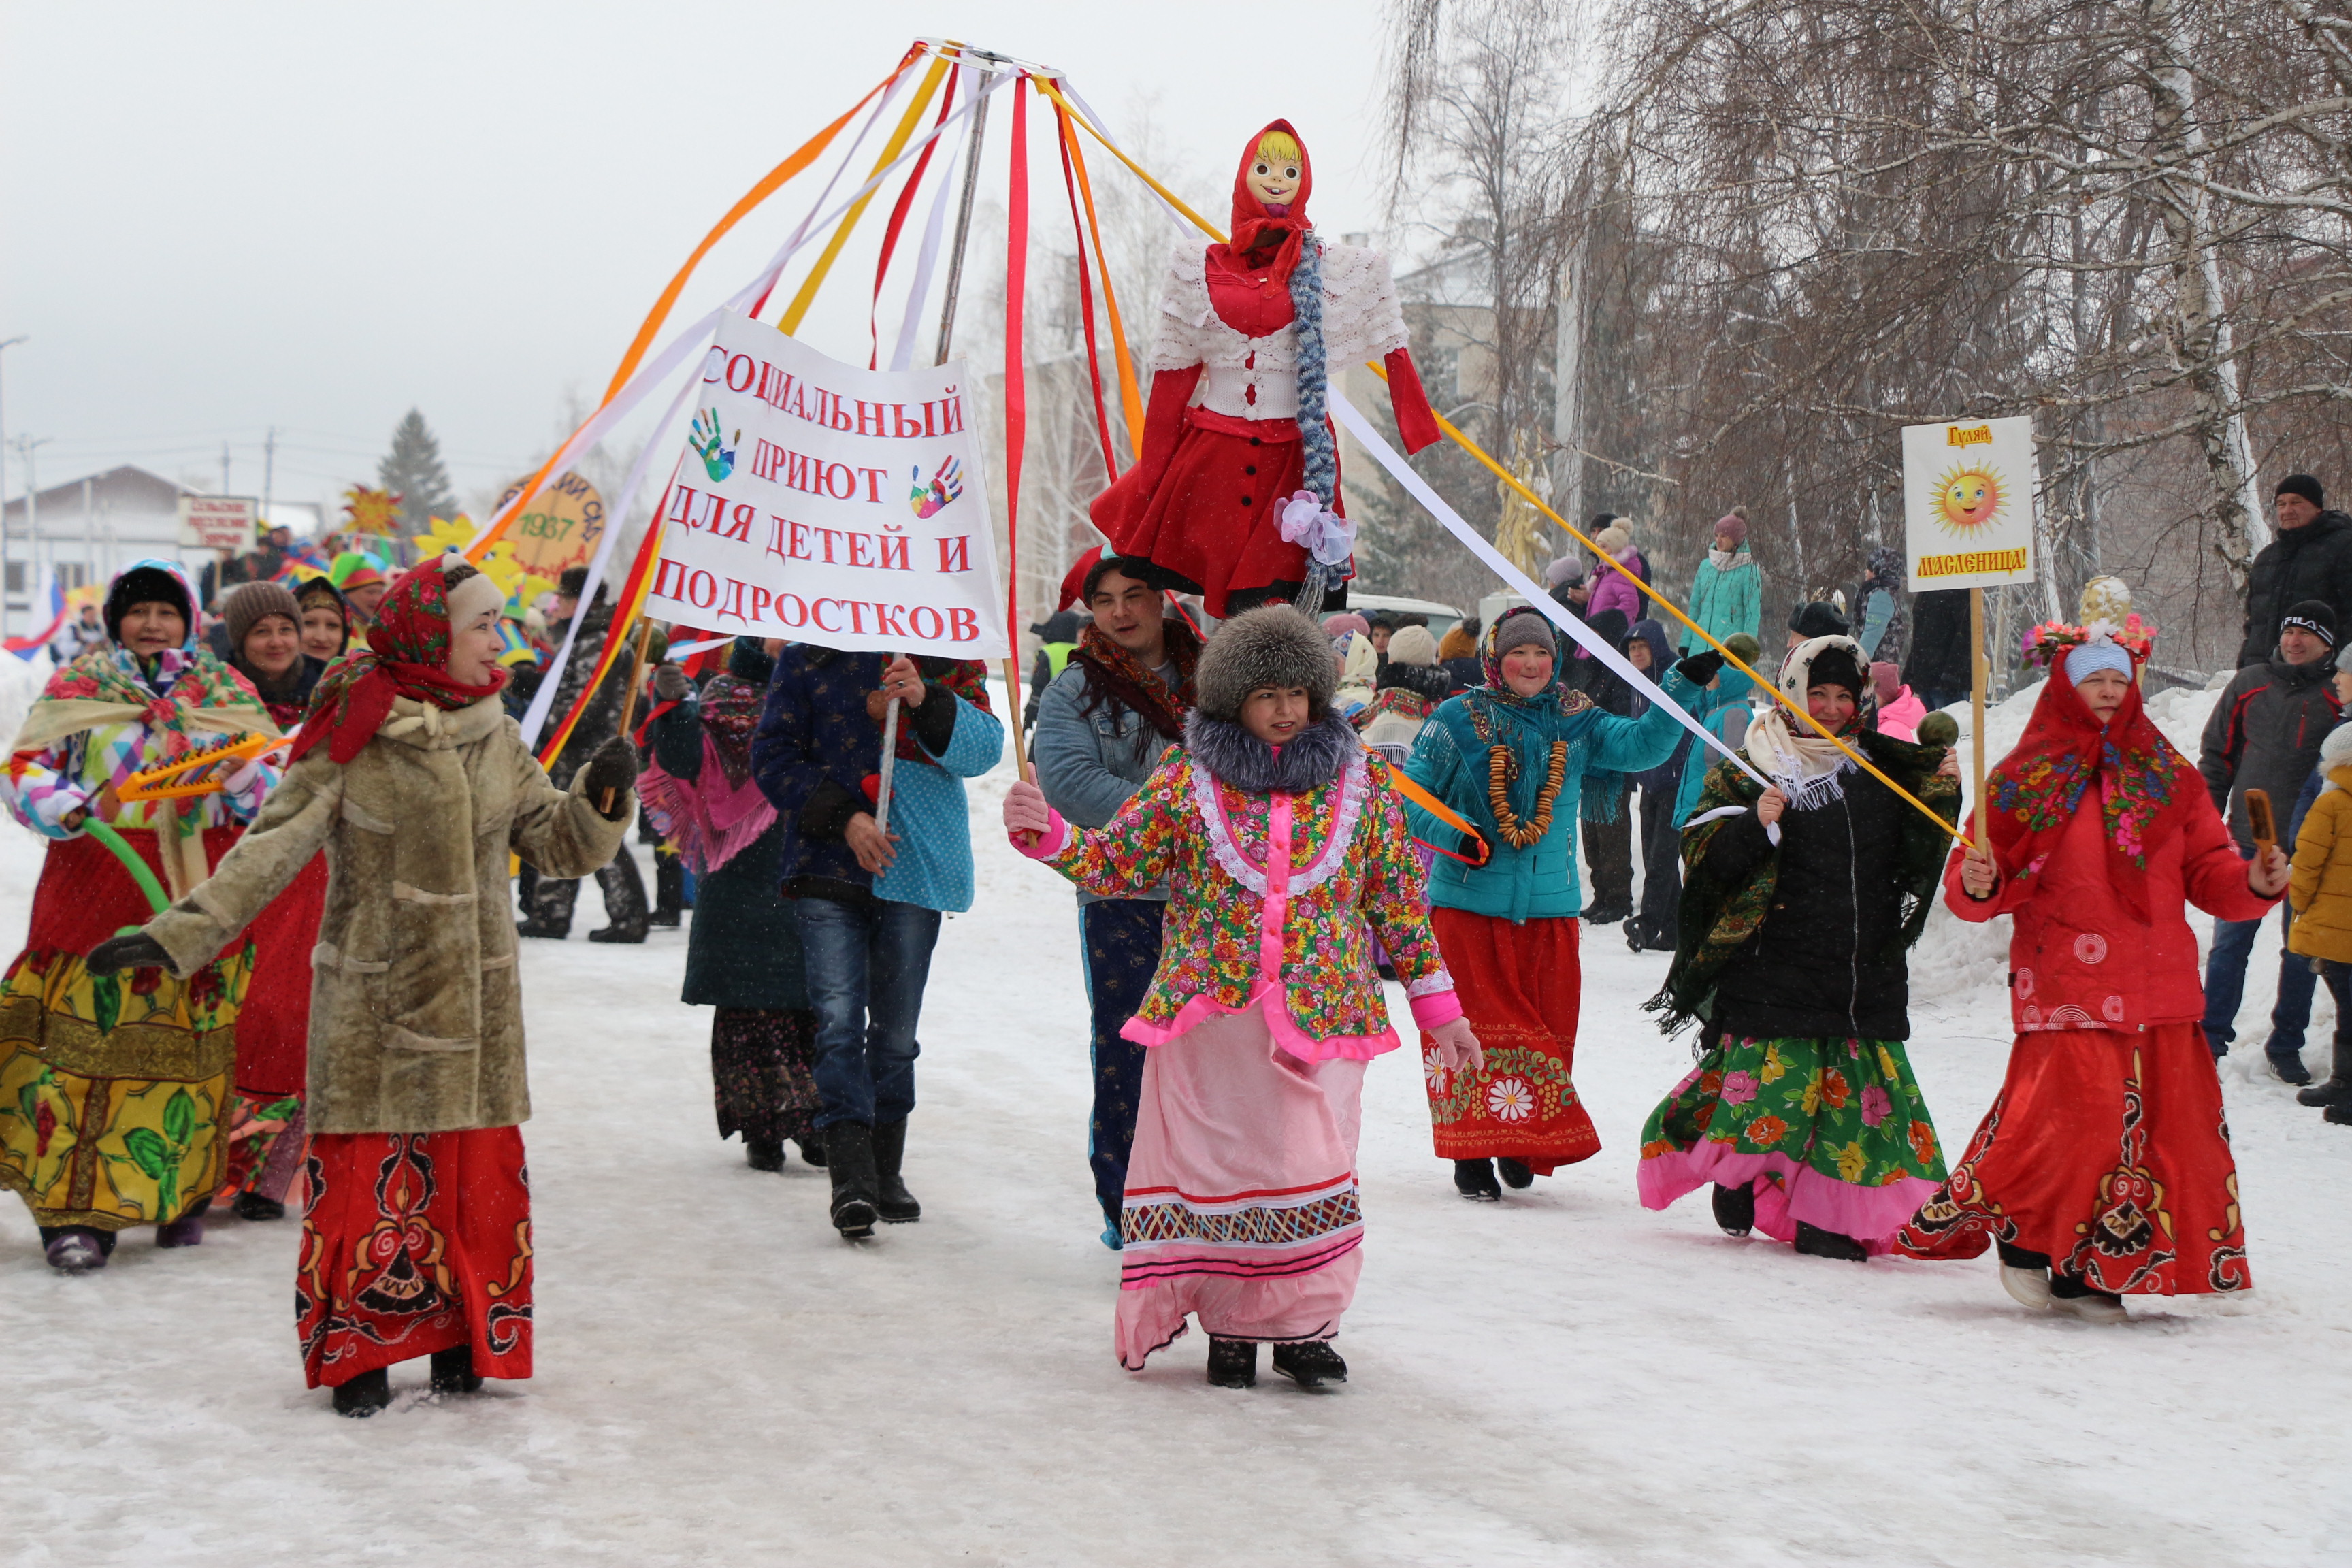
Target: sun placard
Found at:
x=1968, y=503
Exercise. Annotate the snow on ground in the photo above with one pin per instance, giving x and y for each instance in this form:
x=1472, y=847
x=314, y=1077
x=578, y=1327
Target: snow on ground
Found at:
x=1563, y=1379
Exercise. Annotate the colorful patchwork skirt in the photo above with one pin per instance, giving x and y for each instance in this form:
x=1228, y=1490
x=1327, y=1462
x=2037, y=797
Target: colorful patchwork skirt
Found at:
x=1241, y=1203
x=763, y=1073
x=412, y=1242
x=1520, y=987
x=2110, y=1153
x=1827, y=1132
x=114, y=1089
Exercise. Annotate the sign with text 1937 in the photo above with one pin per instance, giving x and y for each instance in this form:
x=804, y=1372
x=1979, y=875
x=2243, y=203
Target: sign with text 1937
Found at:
x=560, y=529
x=830, y=504
x=219, y=522
x=1968, y=503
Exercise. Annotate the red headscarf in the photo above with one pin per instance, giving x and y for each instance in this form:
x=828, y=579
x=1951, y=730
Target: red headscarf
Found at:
x=406, y=655
x=1258, y=234
x=2144, y=785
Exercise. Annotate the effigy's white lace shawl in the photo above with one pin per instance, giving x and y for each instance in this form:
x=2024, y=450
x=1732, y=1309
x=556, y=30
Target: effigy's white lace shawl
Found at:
x=1363, y=319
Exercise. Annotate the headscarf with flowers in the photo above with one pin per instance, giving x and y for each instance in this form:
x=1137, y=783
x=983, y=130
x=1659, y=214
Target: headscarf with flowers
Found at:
x=406, y=655
x=2144, y=782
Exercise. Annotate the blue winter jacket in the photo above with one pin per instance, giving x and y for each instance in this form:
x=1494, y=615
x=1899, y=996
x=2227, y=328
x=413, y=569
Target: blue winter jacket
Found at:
x=1450, y=761
x=816, y=746
x=1712, y=709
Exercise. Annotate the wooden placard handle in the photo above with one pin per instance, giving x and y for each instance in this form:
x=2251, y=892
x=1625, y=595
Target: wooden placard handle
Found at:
x=2258, y=818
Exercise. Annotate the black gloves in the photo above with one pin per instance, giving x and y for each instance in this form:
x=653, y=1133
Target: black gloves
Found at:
x=135, y=951
x=1700, y=668
x=612, y=771
x=671, y=685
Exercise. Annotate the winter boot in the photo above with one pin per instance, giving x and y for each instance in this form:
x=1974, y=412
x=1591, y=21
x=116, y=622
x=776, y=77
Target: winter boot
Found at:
x=1475, y=1180
x=253, y=1206
x=364, y=1395
x=75, y=1248
x=669, y=891
x=2025, y=1276
x=2072, y=1293
x=1815, y=1242
x=764, y=1153
x=188, y=1230
x=849, y=1161
x=1311, y=1364
x=453, y=1371
x=1232, y=1363
x=2338, y=1088
x=2289, y=1066
x=1516, y=1176
x=1735, y=1209
x=2339, y=1113
x=895, y=1205
x=812, y=1150
x=634, y=931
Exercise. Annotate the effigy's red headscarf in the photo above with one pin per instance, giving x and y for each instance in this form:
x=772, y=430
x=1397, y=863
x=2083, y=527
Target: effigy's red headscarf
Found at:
x=406, y=655
x=1264, y=238
x=2144, y=782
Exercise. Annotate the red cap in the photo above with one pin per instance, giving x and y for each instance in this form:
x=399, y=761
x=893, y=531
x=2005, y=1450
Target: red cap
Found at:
x=1074, y=584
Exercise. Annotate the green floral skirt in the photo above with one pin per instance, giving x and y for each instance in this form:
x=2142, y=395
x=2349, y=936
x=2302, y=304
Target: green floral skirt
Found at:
x=1829, y=1132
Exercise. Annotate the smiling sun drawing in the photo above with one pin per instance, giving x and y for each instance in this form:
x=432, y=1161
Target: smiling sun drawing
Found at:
x=1968, y=498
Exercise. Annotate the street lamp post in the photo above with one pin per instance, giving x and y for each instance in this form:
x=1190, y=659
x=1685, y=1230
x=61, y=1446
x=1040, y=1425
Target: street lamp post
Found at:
x=5, y=347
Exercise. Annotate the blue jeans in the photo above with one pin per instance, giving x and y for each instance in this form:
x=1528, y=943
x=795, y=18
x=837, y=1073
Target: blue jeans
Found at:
x=1122, y=953
x=2225, y=987
x=867, y=966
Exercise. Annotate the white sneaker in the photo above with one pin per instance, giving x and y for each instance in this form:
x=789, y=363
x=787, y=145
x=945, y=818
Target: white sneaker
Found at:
x=2029, y=1288
x=2092, y=1308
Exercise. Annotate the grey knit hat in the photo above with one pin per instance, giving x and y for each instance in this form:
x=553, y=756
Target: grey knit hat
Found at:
x=248, y=602
x=1275, y=645
x=1522, y=625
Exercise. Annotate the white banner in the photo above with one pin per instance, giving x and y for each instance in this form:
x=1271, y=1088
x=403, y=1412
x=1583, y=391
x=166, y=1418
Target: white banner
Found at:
x=1968, y=503
x=831, y=504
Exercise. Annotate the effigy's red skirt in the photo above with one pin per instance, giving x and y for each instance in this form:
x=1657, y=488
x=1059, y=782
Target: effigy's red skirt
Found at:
x=1211, y=525
x=1521, y=987
x=412, y=1242
x=2107, y=1151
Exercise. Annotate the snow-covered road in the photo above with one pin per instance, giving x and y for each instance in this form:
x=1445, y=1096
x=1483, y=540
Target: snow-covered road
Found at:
x=1562, y=1379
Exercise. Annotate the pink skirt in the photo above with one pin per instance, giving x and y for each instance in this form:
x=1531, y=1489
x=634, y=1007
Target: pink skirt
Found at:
x=1241, y=1202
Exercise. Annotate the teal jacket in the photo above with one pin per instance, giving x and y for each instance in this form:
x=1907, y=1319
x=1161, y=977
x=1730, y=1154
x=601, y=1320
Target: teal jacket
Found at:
x=1725, y=602
x=1730, y=691
x=1450, y=761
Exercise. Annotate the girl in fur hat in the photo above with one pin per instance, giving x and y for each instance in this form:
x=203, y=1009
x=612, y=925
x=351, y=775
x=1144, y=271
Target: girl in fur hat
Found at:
x=1799, y=903
x=1284, y=850
x=1514, y=757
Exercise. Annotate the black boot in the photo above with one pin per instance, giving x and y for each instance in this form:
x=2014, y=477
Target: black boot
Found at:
x=849, y=1161
x=253, y=1206
x=1311, y=1364
x=1735, y=1209
x=895, y=1205
x=1515, y=1175
x=1232, y=1363
x=812, y=1150
x=764, y=1153
x=1475, y=1180
x=2289, y=1066
x=453, y=1371
x=669, y=891
x=2339, y=1113
x=364, y=1395
x=1815, y=1242
x=2337, y=1088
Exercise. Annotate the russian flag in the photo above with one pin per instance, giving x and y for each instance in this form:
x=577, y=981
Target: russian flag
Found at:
x=49, y=602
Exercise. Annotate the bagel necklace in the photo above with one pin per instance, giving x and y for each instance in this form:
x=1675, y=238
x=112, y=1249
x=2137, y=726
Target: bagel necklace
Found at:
x=1503, y=771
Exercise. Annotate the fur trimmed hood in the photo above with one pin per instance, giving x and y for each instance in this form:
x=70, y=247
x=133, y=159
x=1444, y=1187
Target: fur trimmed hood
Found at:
x=1234, y=756
x=1274, y=645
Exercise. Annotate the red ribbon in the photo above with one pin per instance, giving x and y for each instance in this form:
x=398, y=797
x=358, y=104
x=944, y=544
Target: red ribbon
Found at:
x=1016, y=395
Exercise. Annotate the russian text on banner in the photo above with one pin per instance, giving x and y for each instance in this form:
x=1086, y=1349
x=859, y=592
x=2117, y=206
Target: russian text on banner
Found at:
x=831, y=504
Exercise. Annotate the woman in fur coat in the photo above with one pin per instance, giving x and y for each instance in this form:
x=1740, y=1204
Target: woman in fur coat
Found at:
x=1283, y=846
x=411, y=777
x=1801, y=904
x=1251, y=332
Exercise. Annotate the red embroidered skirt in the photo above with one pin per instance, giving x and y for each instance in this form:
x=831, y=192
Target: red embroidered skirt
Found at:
x=2110, y=1153
x=1520, y=987
x=273, y=1028
x=412, y=1242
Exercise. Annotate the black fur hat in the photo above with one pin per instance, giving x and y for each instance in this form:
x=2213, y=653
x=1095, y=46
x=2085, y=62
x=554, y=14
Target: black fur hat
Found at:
x=1274, y=645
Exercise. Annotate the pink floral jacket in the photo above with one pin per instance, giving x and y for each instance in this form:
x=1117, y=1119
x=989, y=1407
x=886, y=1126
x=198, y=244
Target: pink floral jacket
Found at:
x=1274, y=901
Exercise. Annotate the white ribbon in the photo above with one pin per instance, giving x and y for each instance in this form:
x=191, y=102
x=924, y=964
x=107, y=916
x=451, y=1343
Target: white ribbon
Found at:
x=1346, y=413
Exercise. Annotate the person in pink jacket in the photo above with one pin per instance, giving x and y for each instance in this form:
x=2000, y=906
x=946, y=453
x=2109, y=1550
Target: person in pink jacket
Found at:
x=2103, y=1169
x=1613, y=589
x=1899, y=711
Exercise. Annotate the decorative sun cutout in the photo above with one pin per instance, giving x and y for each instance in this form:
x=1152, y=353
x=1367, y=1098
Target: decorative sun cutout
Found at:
x=448, y=534
x=370, y=511
x=1968, y=497
x=499, y=565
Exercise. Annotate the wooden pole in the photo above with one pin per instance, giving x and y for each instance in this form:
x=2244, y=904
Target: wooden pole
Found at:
x=1013, y=717
x=1979, y=674
x=889, y=764
x=629, y=700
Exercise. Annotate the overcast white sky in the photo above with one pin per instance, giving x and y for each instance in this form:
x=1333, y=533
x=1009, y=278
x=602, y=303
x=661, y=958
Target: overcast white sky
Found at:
x=216, y=218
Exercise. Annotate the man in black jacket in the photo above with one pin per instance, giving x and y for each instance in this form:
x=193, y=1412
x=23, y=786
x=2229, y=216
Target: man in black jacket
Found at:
x=1938, y=669
x=2310, y=559
x=2265, y=734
